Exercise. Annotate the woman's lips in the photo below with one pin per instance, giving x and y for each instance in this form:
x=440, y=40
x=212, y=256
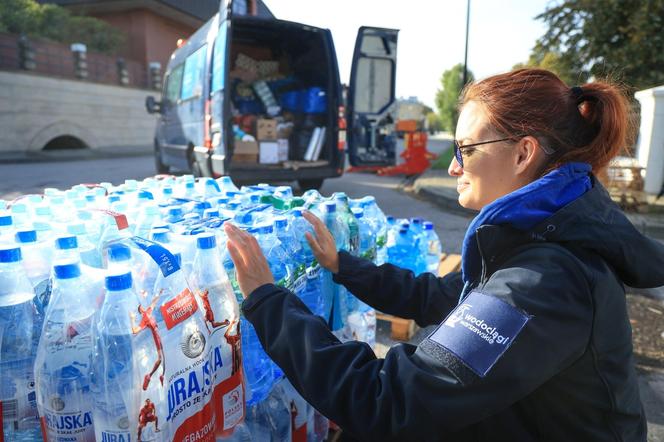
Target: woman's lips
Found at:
x=462, y=186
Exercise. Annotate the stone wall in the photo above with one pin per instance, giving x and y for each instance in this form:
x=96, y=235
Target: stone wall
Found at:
x=36, y=109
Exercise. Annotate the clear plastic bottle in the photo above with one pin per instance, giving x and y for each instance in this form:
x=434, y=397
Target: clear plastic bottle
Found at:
x=148, y=217
x=62, y=365
x=19, y=328
x=37, y=262
x=66, y=250
x=88, y=250
x=312, y=296
x=335, y=295
x=6, y=228
x=114, y=390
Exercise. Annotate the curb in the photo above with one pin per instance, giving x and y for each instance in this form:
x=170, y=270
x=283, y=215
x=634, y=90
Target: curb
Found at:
x=64, y=156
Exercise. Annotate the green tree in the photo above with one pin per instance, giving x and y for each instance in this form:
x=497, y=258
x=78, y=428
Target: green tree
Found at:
x=433, y=122
x=56, y=23
x=619, y=39
x=447, y=97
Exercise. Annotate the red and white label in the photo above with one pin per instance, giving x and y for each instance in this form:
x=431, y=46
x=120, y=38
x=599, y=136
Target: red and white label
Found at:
x=179, y=308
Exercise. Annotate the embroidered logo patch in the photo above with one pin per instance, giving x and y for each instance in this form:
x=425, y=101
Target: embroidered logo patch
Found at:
x=480, y=330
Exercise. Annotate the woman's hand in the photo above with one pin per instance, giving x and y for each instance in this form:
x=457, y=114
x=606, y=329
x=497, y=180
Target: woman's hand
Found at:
x=323, y=245
x=251, y=267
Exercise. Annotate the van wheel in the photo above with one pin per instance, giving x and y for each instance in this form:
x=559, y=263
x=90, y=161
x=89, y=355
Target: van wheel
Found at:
x=158, y=162
x=314, y=184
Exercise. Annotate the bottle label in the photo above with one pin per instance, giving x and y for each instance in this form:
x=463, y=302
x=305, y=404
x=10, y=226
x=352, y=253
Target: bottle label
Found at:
x=300, y=279
x=381, y=241
x=313, y=271
x=164, y=259
x=194, y=380
x=19, y=406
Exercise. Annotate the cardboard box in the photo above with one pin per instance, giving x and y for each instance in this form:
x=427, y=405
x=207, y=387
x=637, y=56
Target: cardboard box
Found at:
x=245, y=152
x=269, y=152
x=266, y=129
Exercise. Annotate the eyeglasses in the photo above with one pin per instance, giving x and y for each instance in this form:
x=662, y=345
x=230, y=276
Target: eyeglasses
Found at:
x=457, y=148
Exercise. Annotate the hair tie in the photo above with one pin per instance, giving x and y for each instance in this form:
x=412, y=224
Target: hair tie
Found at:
x=577, y=92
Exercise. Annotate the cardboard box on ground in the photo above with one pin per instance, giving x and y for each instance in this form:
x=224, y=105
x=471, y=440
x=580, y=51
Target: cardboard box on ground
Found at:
x=262, y=139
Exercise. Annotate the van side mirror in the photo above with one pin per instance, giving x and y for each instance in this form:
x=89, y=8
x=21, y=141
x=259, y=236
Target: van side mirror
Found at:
x=152, y=105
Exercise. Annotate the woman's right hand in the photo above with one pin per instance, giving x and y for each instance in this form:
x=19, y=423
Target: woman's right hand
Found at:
x=322, y=245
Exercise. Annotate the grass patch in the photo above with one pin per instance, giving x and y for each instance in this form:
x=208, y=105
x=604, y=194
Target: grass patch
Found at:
x=444, y=160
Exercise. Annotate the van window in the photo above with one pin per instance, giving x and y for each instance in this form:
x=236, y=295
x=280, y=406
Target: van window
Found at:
x=374, y=84
x=194, y=74
x=219, y=58
x=173, y=84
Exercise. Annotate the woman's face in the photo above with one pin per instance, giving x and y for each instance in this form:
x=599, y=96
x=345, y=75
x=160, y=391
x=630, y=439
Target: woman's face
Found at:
x=488, y=170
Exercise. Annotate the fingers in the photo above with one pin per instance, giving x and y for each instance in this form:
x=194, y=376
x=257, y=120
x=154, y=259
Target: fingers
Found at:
x=315, y=247
x=236, y=256
x=319, y=227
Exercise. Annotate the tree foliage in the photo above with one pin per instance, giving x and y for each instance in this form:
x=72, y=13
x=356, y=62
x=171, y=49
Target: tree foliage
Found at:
x=56, y=23
x=618, y=39
x=447, y=97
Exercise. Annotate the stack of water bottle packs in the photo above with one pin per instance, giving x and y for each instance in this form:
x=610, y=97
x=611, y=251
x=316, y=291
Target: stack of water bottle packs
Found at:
x=119, y=309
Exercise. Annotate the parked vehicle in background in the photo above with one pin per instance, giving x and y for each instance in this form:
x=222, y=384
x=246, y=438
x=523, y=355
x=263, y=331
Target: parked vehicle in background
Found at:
x=259, y=99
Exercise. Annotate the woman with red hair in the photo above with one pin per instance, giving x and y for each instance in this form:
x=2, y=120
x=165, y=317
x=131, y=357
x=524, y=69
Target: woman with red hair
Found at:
x=534, y=341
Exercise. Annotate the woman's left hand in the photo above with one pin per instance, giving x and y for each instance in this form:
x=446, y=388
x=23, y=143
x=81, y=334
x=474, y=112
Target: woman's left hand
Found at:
x=251, y=267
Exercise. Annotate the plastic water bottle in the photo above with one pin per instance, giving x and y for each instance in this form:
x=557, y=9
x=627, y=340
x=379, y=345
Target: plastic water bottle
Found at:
x=148, y=217
x=312, y=296
x=19, y=322
x=63, y=359
x=87, y=250
x=434, y=249
x=419, y=237
x=113, y=385
x=66, y=250
x=6, y=228
x=335, y=297
x=405, y=252
x=258, y=368
x=37, y=262
x=289, y=241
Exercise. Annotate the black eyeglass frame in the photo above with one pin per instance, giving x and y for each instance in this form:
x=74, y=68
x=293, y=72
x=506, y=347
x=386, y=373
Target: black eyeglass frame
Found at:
x=457, y=148
x=458, y=153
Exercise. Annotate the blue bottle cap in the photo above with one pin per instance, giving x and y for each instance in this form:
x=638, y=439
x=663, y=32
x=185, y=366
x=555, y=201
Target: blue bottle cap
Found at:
x=113, y=199
x=119, y=252
x=76, y=229
x=330, y=207
x=211, y=213
x=233, y=205
x=79, y=203
x=390, y=219
x=84, y=215
x=41, y=226
x=66, y=243
x=202, y=205
x=222, y=200
x=90, y=198
x=26, y=236
x=297, y=212
x=67, y=271
x=255, y=198
x=416, y=220
x=428, y=225
x=265, y=229
x=12, y=254
x=19, y=208
x=189, y=185
x=206, y=241
x=151, y=210
x=359, y=213
x=6, y=220
x=144, y=194
x=403, y=231
x=167, y=190
x=232, y=194
x=115, y=283
x=43, y=211
x=159, y=235
x=280, y=222
x=175, y=212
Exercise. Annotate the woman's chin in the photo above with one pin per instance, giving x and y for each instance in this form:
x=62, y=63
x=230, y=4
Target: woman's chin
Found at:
x=466, y=201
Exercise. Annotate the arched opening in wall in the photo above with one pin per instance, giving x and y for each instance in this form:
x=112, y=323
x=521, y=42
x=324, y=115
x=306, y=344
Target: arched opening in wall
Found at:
x=65, y=142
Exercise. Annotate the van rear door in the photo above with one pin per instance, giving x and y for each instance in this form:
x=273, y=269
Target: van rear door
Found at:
x=371, y=96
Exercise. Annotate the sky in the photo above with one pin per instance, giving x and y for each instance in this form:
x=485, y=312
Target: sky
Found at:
x=431, y=36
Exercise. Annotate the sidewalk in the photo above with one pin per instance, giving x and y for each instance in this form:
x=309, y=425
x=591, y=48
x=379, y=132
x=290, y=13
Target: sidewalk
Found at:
x=646, y=306
x=43, y=156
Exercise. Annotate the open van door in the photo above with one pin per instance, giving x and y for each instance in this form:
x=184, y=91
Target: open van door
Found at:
x=371, y=97
x=218, y=113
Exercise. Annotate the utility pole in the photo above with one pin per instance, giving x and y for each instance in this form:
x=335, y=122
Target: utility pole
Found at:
x=465, y=57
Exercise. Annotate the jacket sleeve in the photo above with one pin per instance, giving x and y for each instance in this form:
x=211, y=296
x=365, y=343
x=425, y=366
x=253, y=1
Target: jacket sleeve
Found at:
x=426, y=298
x=418, y=393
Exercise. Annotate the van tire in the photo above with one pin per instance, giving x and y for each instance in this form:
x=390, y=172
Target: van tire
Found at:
x=314, y=184
x=158, y=162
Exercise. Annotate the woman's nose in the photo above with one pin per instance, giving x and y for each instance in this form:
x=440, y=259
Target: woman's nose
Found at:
x=454, y=168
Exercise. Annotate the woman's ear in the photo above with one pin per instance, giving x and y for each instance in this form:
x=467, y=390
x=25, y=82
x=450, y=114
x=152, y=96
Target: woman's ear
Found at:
x=527, y=156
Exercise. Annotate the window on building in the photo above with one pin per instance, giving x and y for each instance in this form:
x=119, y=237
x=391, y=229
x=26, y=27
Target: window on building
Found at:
x=194, y=74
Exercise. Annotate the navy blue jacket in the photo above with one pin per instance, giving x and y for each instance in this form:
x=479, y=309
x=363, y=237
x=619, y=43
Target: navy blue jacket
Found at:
x=564, y=372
